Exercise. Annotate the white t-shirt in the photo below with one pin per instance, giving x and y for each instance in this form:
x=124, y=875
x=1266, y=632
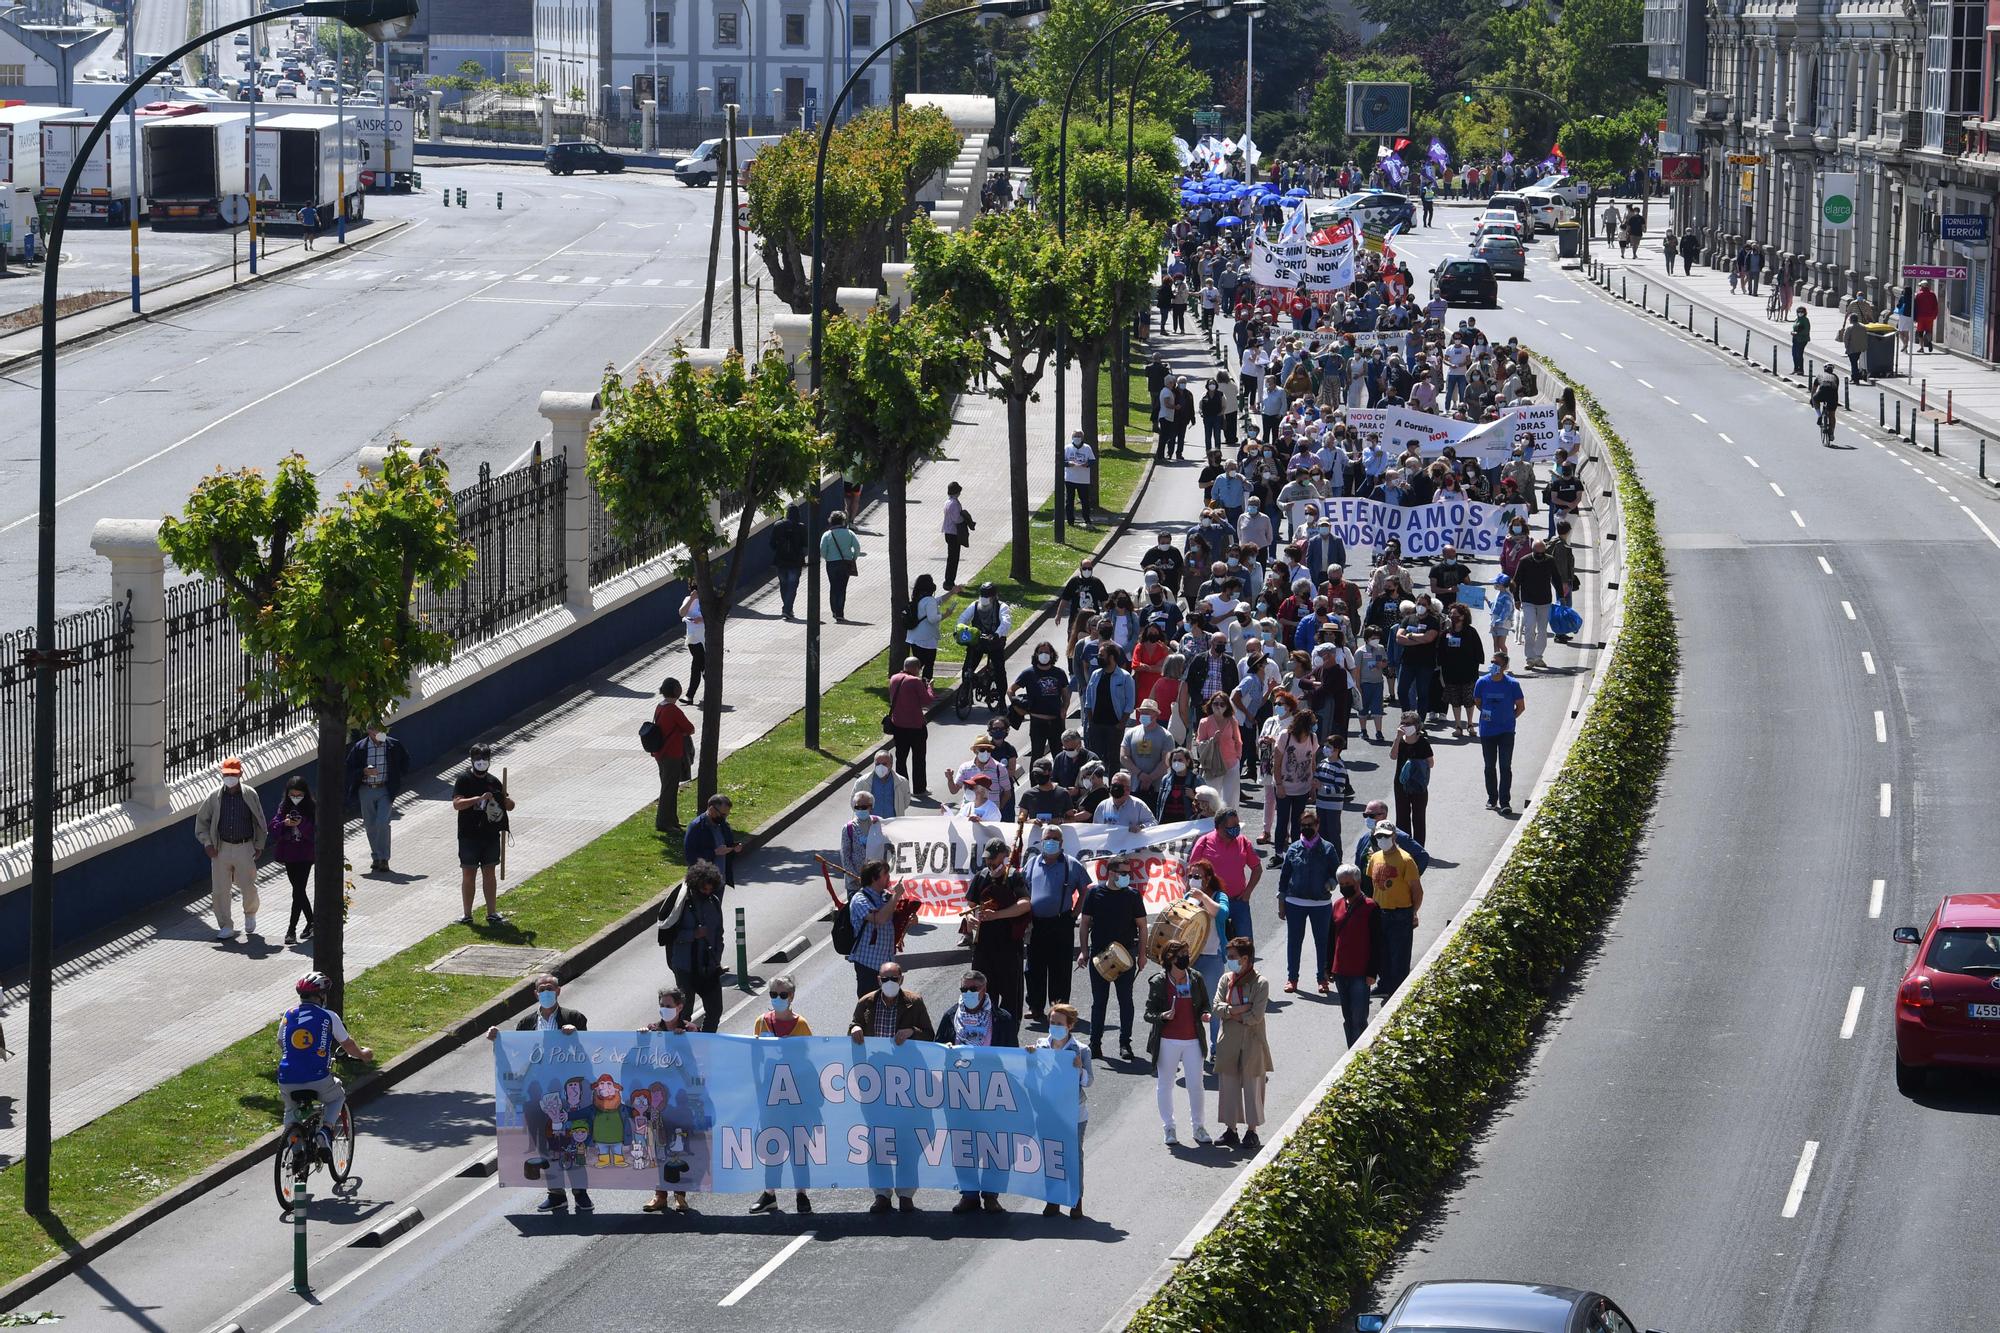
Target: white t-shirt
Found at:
x=1077, y=459
x=697, y=626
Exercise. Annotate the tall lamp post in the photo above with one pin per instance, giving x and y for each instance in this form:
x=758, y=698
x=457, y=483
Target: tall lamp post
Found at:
x=381, y=19
x=1217, y=7
x=1249, y=8
x=1018, y=9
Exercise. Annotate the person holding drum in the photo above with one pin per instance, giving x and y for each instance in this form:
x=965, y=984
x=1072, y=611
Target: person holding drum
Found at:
x=1109, y=929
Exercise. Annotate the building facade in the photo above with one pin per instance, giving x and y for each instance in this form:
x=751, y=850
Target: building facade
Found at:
x=777, y=59
x=1799, y=94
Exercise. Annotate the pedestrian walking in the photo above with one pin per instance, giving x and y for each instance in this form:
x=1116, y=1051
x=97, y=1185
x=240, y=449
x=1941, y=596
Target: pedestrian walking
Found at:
x=1535, y=580
x=1063, y=1039
x=1055, y=883
x=1305, y=900
x=1078, y=458
x=1924, y=307
x=1358, y=945
x=1399, y=894
x=229, y=825
x=1411, y=758
x=1671, y=245
x=1905, y=315
x=871, y=910
x=1500, y=701
x=309, y=225
x=908, y=723
x=997, y=903
x=957, y=526
x=978, y=1019
x=483, y=807
x=840, y=551
x=923, y=618
x=1177, y=1007
x=695, y=943
x=377, y=765
x=1243, y=1060
x=290, y=833
x=1854, y=341
x=1113, y=912
x=710, y=838
x=1690, y=250
x=675, y=731
x=673, y=1017
x=1801, y=335
x=1238, y=868
x=788, y=556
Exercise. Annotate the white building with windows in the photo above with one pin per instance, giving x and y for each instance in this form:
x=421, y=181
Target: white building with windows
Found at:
x=770, y=57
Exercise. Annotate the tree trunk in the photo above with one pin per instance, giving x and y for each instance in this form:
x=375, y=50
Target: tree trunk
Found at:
x=899, y=557
x=1089, y=360
x=329, y=855
x=1019, y=566
x=1121, y=379
x=715, y=617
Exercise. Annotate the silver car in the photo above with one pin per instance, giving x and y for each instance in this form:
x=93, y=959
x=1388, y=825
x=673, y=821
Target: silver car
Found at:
x=1520, y=1307
x=1504, y=253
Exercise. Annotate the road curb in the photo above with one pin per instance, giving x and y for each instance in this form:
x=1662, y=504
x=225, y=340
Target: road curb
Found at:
x=607, y=941
x=187, y=300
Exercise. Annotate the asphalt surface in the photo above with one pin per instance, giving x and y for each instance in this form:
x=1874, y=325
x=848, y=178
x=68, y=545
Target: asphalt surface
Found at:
x=1710, y=1130
x=482, y=1259
x=444, y=334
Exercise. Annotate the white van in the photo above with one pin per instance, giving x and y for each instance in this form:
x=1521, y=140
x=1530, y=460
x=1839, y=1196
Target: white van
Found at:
x=704, y=164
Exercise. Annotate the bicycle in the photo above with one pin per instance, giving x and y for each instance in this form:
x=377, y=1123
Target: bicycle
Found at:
x=1826, y=425
x=985, y=681
x=300, y=1152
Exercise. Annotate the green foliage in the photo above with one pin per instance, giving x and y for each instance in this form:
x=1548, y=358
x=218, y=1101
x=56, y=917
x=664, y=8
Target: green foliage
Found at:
x=1293, y=36
x=873, y=173
x=1602, y=146
x=961, y=55
x=1326, y=113
x=1097, y=164
x=1321, y=1221
x=1169, y=88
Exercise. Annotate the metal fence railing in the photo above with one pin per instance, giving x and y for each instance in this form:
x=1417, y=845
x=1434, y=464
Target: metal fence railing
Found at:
x=609, y=556
x=218, y=695
x=515, y=524
x=93, y=717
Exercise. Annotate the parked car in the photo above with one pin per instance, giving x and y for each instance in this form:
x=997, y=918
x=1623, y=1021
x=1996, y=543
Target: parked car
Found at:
x=1547, y=209
x=1572, y=188
x=1948, y=1005
x=568, y=155
x=1468, y=281
x=1512, y=201
x=1520, y=1307
x=1504, y=253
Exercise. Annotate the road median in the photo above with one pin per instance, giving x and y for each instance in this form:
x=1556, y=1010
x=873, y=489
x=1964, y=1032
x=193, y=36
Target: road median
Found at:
x=1322, y=1213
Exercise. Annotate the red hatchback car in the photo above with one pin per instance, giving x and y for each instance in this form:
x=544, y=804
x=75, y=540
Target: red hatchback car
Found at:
x=1948, y=1007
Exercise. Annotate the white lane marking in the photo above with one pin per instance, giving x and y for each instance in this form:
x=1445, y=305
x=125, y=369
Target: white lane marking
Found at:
x=1982, y=526
x=1868, y=663
x=1613, y=364
x=1699, y=417
x=650, y=282
x=1884, y=804
x=200, y=361
x=157, y=378
x=1588, y=348
x=1793, y=1196
x=1796, y=519
x=1670, y=398
x=1777, y=490
x=1725, y=438
x=1824, y=567
x=1881, y=728
x=749, y=1284
x=1645, y=384
x=559, y=278
x=1848, y=607
x=1949, y=496
x=1853, y=1014
x=1753, y=462
x=1875, y=897
x=281, y=389
x=1543, y=322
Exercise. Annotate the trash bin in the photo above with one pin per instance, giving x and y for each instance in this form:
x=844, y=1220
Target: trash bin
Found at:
x=1881, y=358
x=1569, y=242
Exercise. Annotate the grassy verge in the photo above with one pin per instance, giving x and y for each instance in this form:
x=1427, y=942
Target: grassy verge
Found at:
x=140, y=1150
x=1317, y=1225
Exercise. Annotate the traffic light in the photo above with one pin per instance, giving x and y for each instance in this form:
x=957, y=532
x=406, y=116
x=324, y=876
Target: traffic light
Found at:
x=1465, y=98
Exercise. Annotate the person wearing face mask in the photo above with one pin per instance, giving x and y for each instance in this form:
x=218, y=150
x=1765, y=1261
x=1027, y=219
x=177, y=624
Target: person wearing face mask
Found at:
x=1084, y=594
x=978, y=1019
x=908, y=722
x=1358, y=949
x=1174, y=800
x=1228, y=491
x=377, y=764
x=1042, y=692
x=291, y=842
x=888, y=790
x=1411, y=758
x=890, y=1011
x=482, y=803
x=695, y=944
x=550, y=1015
x=230, y=826
x=991, y=620
x=1305, y=899
x=998, y=906
x=1063, y=1039
x=860, y=838
x=1243, y=1051
x=1079, y=459
x=1113, y=912
x=1500, y=701
x=1255, y=528
x=1399, y=895
x=1054, y=881
x=1164, y=558
x=781, y=1020
x=1177, y=1009
x=1514, y=546
x=871, y=910
x=1238, y=868
x=1108, y=698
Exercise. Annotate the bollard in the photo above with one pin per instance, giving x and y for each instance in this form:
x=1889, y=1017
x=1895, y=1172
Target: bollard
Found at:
x=461, y=199
x=1690, y=317
x=1935, y=449
x=1746, y=344
x=1982, y=458
x=1881, y=409
x=1715, y=333
x=1847, y=396
x=499, y=199
x=301, y=1200
x=1899, y=416
x=1923, y=395
x=1624, y=287
x=742, y=953
x=1949, y=419
x=445, y=196
x=1774, y=358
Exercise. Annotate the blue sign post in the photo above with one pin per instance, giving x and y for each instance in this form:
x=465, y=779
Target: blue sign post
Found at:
x=1967, y=228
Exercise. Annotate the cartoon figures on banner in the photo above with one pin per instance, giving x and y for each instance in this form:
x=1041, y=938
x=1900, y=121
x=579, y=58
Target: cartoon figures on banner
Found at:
x=610, y=1122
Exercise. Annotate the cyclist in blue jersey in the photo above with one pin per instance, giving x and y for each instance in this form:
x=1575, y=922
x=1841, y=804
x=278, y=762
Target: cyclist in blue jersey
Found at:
x=307, y=1036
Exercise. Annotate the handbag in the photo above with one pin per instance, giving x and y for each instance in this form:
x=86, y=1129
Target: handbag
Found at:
x=1565, y=620
x=1414, y=775
x=889, y=727
x=1208, y=755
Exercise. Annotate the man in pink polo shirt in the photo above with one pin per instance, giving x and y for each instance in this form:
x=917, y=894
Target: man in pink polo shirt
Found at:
x=1236, y=864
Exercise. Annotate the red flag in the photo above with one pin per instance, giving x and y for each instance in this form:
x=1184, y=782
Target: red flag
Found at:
x=1401, y=144
x=1557, y=153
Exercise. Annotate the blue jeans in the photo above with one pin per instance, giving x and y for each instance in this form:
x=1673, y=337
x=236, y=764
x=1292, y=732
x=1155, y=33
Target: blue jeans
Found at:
x=1236, y=920
x=1289, y=810
x=376, y=810
x=1499, y=754
x=1413, y=687
x=788, y=587
x=1209, y=965
x=1297, y=918
x=1353, y=993
x=1398, y=932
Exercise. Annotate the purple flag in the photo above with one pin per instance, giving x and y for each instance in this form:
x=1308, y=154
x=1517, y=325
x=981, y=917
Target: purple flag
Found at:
x=1507, y=158
x=1439, y=155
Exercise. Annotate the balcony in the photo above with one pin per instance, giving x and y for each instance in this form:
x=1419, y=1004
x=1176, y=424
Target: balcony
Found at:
x=1710, y=105
x=1902, y=130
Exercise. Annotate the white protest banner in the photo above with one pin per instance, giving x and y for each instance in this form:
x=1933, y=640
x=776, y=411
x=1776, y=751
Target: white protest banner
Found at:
x=1535, y=428
x=1368, y=422
x=932, y=857
x=1491, y=442
x=1424, y=530
x=1287, y=263
x=1165, y=847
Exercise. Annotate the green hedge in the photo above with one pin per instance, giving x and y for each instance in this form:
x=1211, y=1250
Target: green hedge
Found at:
x=1318, y=1224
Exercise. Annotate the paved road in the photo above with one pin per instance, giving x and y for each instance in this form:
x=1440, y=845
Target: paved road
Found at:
x=486, y=1261
x=445, y=334
x=1832, y=747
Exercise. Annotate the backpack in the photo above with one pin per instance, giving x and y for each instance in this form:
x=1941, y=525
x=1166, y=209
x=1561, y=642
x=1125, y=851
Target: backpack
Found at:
x=844, y=938
x=671, y=908
x=651, y=739
x=911, y=619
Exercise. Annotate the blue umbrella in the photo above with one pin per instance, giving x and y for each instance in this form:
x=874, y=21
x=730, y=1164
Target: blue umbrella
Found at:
x=1298, y=193
x=1229, y=220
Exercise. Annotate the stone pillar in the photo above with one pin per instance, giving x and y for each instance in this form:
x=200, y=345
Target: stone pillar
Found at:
x=896, y=285
x=794, y=334
x=547, y=107
x=433, y=125
x=855, y=302
x=649, y=125
x=571, y=414
x=139, y=582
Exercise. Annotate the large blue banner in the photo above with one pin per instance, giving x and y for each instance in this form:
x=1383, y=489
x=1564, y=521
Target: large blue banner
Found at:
x=706, y=1112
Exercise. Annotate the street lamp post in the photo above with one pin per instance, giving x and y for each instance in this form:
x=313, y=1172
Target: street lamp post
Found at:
x=1062, y=218
x=379, y=18
x=1020, y=9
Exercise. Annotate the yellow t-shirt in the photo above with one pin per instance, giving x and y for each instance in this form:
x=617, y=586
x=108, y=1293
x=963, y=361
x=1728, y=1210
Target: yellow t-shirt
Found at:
x=1398, y=891
x=763, y=1027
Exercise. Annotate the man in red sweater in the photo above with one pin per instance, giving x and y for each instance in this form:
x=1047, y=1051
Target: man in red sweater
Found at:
x=1357, y=949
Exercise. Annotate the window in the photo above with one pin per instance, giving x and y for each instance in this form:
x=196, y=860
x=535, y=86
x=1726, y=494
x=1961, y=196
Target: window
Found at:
x=864, y=92
x=13, y=74
x=663, y=27
x=725, y=27
x=795, y=30
x=725, y=91
x=863, y=34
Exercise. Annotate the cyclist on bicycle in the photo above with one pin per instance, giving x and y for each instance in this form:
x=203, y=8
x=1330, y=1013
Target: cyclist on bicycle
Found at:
x=1826, y=401
x=307, y=1034
x=990, y=620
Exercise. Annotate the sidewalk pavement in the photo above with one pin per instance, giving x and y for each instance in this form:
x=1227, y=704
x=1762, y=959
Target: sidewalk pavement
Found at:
x=160, y=995
x=1920, y=377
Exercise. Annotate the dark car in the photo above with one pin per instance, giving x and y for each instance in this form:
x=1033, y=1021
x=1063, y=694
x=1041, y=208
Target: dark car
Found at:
x=1518, y=1307
x=582, y=155
x=1469, y=281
